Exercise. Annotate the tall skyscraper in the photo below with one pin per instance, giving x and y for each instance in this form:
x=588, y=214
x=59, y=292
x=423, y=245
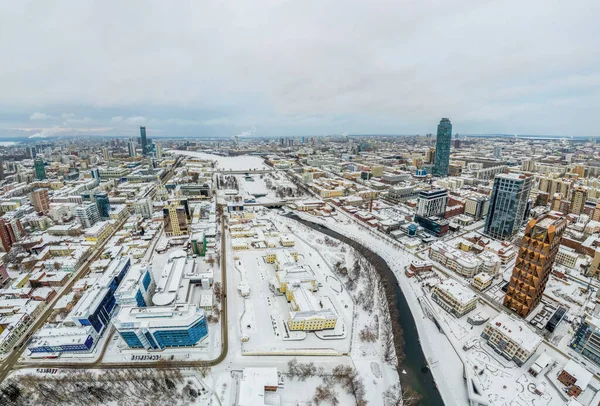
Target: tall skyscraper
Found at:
x=442, y=148
x=144, y=140
x=1, y=169
x=40, y=171
x=580, y=196
x=105, y=153
x=508, y=205
x=534, y=261
x=39, y=199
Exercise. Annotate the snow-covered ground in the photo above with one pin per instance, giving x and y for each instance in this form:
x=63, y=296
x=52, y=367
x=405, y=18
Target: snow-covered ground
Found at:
x=503, y=382
x=234, y=163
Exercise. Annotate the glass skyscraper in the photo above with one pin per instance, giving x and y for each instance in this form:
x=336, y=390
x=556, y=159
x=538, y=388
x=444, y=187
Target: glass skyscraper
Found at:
x=442, y=148
x=40, y=170
x=144, y=140
x=103, y=204
x=508, y=205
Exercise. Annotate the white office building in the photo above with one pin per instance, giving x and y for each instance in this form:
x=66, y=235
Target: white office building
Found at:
x=432, y=203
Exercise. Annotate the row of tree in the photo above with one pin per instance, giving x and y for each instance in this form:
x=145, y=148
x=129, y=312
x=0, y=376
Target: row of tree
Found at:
x=84, y=388
x=344, y=375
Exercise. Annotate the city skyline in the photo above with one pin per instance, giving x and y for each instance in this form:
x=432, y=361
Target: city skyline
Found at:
x=396, y=73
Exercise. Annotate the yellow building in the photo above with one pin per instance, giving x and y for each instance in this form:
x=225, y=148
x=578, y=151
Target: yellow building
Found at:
x=293, y=276
x=270, y=257
x=287, y=240
x=99, y=232
x=482, y=281
x=308, y=313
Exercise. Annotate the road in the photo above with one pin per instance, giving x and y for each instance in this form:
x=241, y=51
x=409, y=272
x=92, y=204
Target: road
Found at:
x=9, y=362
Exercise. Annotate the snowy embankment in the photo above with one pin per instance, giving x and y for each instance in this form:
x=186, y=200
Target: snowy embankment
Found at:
x=445, y=364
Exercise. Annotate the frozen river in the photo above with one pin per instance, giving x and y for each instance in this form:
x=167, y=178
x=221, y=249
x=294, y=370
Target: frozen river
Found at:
x=235, y=163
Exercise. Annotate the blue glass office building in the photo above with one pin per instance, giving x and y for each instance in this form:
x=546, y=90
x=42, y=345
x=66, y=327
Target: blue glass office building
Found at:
x=97, y=304
x=509, y=205
x=156, y=328
x=103, y=204
x=442, y=148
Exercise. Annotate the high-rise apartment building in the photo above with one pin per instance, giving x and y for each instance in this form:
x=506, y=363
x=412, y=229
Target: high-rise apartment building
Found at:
x=509, y=205
x=158, y=150
x=432, y=203
x=497, y=152
x=144, y=140
x=533, y=265
x=555, y=185
x=430, y=156
x=40, y=170
x=40, y=200
x=580, y=196
x=105, y=154
x=87, y=214
x=131, y=148
x=442, y=148
x=1, y=169
x=175, y=219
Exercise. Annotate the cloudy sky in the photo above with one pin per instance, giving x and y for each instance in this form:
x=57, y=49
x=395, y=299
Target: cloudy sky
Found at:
x=268, y=67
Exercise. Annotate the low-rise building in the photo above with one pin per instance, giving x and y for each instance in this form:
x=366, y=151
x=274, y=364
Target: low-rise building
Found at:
x=64, y=339
x=454, y=298
x=307, y=312
x=575, y=377
x=511, y=338
x=482, y=281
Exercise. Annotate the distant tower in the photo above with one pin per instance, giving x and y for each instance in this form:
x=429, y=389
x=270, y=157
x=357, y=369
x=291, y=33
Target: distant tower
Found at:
x=498, y=152
x=144, y=140
x=537, y=252
x=1, y=169
x=442, y=148
x=105, y=153
x=158, y=150
x=508, y=205
x=40, y=171
x=131, y=148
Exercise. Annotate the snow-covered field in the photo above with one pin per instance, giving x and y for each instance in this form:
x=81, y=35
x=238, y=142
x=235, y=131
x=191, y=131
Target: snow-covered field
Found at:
x=234, y=163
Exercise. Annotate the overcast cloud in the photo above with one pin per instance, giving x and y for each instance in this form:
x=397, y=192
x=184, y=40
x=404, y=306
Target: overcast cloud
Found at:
x=304, y=67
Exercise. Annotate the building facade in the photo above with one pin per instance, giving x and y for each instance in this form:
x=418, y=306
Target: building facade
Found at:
x=508, y=207
x=533, y=265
